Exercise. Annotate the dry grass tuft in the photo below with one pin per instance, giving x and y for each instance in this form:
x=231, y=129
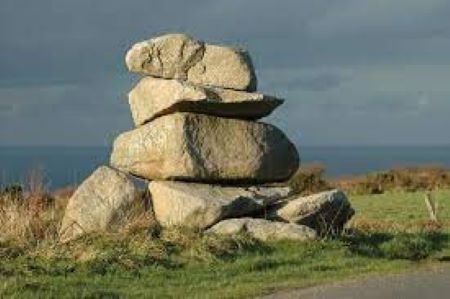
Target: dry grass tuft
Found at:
x=29, y=214
x=310, y=179
x=372, y=225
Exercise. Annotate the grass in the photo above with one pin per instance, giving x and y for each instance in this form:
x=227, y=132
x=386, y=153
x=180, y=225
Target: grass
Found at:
x=390, y=233
x=249, y=271
x=399, y=211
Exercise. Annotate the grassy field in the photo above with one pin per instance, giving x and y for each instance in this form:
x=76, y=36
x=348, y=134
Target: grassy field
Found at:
x=400, y=210
x=390, y=233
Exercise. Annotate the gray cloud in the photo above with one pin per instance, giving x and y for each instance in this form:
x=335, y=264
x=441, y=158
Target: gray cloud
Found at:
x=338, y=63
x=386, y=19
x=6, y=108
x=389, y=103
x=320, y=82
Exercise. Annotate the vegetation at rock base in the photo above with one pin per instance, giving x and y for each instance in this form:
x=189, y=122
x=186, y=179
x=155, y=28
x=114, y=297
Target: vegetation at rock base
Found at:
x=390, y=232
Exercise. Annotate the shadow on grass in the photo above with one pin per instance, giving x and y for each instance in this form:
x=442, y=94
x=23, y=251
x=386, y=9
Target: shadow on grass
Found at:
x=409, y=246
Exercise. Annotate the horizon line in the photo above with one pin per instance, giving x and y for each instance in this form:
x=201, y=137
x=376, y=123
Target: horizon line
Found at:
x=300, y=146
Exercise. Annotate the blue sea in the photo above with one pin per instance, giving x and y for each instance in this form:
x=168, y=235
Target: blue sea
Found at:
x=62, y=166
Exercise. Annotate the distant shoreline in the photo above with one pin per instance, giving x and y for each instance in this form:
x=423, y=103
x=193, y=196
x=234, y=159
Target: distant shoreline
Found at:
x=297, y=144
x=67, y=165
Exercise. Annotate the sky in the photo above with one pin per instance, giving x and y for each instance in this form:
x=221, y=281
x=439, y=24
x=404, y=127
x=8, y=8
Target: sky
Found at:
x=353, y=72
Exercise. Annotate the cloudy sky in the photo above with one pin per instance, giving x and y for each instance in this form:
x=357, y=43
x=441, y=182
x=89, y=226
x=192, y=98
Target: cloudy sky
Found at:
x=353, y=72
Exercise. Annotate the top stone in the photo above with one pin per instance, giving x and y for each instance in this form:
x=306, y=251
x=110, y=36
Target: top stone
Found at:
x=179, y=56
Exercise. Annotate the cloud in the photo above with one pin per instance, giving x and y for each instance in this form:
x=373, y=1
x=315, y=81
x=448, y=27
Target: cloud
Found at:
x=377, y=105
x=388, y=103
x=6, y=108
x=341, y=65
x=65, y=114
x=385, y=19
x=51, y=42
x=320, y=82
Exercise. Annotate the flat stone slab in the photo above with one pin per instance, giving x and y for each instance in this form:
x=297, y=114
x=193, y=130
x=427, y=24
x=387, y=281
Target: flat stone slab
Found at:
x=154, y=97
x=207, y=149
x=264, y=230
x=199, y=206
x=179, y=56
x=101, y=203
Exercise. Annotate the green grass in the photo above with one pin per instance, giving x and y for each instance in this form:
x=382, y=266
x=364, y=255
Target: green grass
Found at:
x=248, y=273
x=393, y=235
x=401, y=209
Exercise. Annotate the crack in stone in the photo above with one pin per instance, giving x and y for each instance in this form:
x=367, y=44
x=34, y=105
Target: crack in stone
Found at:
x=195, y=58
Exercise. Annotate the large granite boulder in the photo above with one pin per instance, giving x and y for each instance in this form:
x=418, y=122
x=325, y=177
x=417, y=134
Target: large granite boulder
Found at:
x=208, y=149
x=179, y=56
x=153, y=97
x=101, y=203
x=199, y=206
x=327, y=212
x=264, y=230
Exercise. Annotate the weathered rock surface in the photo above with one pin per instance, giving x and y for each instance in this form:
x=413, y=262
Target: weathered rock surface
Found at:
x=153, y=97
x=208, y=149
x=327, y=212
x=100, y=203
x=179, y=56
x=199, y=206
x=264, y=230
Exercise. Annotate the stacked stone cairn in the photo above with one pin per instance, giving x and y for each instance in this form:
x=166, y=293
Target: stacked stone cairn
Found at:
x=208, y=159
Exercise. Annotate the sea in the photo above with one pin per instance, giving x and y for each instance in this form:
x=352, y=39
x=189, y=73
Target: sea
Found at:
x=62, y=166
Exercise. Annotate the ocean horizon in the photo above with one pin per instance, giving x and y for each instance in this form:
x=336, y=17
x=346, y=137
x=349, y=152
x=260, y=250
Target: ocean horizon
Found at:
x=65, y=165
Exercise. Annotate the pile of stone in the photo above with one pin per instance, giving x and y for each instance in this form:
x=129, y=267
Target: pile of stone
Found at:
x=209, y=161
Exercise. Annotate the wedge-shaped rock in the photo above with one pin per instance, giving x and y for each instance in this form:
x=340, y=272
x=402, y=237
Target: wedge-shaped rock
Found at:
x=264, y=230
x=100, y=203
x=199, y=206
x=208, y=149
x=327, y=212
x=179, y=56
x=153, y=97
